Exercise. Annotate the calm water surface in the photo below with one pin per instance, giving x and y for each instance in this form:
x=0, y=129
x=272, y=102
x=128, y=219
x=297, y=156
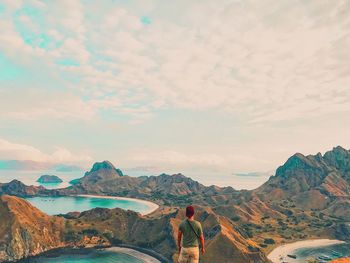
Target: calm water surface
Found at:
x=94, y=256
x=323, y=254
x=65, y=204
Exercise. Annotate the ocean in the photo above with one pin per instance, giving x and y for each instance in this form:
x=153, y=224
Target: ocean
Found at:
x=91, y=256
x=65, y=204
x=323, y=254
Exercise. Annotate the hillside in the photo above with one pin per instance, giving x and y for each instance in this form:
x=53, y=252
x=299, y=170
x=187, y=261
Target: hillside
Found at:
x=308, y=197
x=28, y=231
x=320, y=182
x=25, y=230
x=329, y=174
x=177, y=189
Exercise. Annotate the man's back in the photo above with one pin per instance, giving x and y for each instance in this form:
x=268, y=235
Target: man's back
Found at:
x=190, y=239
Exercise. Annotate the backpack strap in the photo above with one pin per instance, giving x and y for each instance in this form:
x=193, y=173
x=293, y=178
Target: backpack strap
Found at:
x=192, y=228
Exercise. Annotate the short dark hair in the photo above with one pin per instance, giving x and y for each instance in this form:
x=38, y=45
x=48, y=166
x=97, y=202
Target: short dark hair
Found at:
x=189, y=211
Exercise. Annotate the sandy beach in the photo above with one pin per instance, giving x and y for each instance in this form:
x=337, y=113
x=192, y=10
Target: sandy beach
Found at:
x=152, y=206
x=288, y=249
x=137, y=254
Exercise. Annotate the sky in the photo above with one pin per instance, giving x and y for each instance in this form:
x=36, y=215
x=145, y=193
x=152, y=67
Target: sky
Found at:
x=201, y=87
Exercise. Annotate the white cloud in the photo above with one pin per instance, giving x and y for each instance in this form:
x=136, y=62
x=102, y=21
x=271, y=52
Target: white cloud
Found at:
x=249, y=59
x=272, y=67
x=15, y=151
x=33, y=104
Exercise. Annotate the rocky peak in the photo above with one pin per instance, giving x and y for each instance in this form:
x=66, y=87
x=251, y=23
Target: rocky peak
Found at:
x=105, y=165
x=13, y=186
x=297, y=161
x=102, y=165
x=338, y=157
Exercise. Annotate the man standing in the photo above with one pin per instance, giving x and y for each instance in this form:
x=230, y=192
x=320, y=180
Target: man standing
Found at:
x=190, y=231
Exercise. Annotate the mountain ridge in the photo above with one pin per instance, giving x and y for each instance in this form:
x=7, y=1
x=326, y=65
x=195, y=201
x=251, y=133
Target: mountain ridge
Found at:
x=308, y=197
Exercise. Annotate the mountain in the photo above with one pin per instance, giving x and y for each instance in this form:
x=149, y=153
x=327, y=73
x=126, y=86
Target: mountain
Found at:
x=313, y=182
x=177, y=189
x=100, y=171
x=307, y=198
x=27, y=231
x=18, y=188
x=329, y=174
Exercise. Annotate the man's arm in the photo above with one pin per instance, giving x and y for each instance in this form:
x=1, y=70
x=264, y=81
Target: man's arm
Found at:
x=179, y=236
x=202, y=243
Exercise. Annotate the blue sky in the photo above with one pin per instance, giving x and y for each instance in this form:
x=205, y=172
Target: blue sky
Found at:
x=194, y=86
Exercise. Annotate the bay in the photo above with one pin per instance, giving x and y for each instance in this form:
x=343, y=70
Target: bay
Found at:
x=65, y=204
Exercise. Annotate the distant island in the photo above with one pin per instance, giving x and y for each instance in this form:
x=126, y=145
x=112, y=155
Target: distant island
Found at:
x=46, y=178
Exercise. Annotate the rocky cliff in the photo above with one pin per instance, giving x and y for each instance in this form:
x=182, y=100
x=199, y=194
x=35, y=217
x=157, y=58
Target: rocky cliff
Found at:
x=25, y=230
x=318, y=181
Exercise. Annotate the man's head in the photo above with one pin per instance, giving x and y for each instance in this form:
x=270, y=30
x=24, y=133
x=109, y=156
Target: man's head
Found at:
x=189, y=211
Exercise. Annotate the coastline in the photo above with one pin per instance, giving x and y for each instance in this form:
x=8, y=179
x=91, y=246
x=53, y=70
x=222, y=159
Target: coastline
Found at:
x=134, y=253
x=152, y=206
x=288, y=249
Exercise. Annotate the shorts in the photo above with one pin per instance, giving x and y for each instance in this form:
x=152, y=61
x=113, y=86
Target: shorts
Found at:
x=189, y=255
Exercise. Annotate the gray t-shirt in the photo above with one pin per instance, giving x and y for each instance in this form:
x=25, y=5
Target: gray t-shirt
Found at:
x=189, y=238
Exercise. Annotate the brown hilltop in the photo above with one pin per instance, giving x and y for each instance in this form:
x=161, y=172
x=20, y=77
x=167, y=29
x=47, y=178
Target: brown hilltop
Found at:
x=25, y=230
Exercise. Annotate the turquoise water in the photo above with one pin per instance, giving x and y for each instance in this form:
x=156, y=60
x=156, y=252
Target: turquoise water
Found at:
x=323, y=254
x=93, y=256
x=65, y=204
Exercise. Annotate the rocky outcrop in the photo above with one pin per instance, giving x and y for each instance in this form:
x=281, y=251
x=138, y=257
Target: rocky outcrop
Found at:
x=329, y=174
x=105, y=165
x=18, y=188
